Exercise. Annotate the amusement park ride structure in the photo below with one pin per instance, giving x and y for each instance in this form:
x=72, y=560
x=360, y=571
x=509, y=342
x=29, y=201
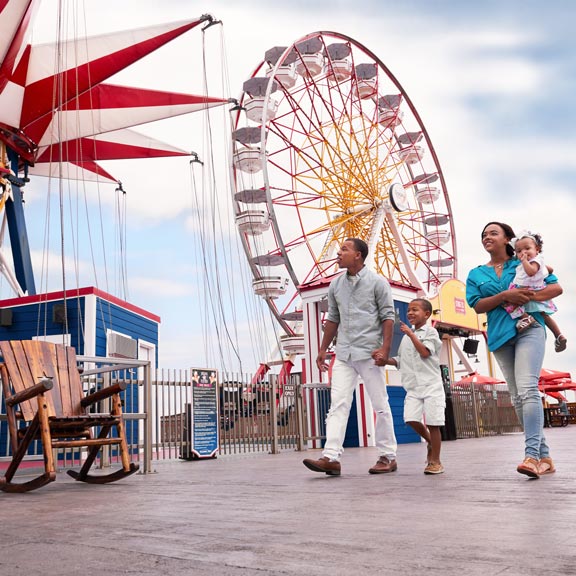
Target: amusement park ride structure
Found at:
x=327, y=145
x=58, y=117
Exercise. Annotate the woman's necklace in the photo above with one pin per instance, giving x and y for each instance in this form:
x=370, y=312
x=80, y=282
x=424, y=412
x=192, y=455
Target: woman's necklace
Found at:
x=497, y=267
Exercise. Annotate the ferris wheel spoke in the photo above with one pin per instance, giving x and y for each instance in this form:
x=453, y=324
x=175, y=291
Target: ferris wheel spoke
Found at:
x=367, y=128
x=316, y=175
x=313, y=156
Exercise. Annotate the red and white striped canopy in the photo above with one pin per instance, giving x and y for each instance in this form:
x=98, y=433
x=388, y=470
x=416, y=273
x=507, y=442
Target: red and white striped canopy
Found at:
x=56, y=109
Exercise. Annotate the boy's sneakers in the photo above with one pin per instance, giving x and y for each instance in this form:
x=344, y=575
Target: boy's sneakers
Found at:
x=434, y=468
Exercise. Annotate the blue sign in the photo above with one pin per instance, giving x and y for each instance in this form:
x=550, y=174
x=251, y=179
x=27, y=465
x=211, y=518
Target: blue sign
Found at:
x=205, y=429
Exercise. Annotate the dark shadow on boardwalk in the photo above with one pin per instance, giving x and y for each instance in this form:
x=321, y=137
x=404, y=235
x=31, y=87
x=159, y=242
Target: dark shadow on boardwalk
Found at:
x=268, y=515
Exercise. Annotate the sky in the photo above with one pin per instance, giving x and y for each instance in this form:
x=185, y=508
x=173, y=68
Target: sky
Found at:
x=493, y=81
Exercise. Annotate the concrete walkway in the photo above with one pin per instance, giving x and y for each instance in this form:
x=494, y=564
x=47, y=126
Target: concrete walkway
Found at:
x=268, y=515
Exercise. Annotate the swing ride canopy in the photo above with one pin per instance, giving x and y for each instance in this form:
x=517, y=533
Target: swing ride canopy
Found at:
x=56, y=112
x=59, y=118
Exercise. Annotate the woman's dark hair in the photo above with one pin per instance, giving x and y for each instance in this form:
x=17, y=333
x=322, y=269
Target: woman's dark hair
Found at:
x=360, y=246
x=508, y=232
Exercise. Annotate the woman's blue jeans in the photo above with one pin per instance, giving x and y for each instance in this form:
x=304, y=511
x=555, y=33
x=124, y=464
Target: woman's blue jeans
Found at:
x=520, y=360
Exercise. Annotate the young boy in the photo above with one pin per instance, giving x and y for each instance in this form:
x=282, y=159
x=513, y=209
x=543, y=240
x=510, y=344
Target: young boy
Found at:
x=419, y=365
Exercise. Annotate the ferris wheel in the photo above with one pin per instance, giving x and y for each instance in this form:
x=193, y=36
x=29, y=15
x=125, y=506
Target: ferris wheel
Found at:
x=327, y=145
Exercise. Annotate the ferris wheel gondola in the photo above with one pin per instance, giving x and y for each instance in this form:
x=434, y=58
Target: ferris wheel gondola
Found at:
x=328, y=145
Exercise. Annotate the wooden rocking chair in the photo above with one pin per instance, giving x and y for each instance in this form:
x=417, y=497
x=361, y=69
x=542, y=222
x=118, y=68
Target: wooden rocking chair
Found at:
x=43, y=380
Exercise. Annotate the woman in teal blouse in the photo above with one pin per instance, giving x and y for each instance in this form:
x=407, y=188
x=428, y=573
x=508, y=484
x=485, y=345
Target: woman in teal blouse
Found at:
x=519, y=355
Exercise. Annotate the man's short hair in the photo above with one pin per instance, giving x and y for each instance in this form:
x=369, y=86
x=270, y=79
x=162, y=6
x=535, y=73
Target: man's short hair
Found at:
x=360, y=246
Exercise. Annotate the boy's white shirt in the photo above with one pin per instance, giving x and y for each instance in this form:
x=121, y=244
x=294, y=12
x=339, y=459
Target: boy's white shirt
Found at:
x=417, y=372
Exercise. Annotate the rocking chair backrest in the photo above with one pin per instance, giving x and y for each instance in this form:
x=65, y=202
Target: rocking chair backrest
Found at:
x=28, y=361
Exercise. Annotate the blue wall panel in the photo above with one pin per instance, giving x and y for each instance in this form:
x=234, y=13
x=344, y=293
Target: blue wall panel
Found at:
x=35, y=319
x=404, y=434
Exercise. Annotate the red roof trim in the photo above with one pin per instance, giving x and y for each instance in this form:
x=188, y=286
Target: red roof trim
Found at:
x=96, y=168
x=76, y=293
x=322, y=282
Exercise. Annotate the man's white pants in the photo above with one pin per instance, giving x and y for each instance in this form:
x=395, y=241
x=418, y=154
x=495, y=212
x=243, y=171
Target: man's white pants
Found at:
x=344, y=380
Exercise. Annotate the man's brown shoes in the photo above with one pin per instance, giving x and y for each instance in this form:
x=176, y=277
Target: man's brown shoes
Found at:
x=384, y=466
x=324, y=464
x=333, y=468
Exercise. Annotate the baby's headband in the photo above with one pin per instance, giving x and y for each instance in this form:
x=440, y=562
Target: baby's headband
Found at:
x=527, y=234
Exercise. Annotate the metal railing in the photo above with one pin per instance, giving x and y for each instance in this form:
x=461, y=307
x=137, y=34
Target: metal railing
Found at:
x=484, y=410
x=264, y=418
x=315, y=399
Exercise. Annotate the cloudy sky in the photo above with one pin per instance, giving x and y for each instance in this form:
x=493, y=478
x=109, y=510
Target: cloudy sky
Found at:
x=493, y=81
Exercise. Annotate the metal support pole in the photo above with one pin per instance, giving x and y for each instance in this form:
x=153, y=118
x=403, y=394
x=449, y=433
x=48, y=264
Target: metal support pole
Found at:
x=148, y=419
x=105, y=450
x=475, y=411
x=14, y=209
x=274, y=415
x=299, y=403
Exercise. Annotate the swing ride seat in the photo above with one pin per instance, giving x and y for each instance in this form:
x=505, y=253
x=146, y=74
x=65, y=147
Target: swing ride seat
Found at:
x=45, y=401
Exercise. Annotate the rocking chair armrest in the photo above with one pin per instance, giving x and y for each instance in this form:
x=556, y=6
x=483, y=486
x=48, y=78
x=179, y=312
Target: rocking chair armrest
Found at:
x=103, y=393
x=43, y=386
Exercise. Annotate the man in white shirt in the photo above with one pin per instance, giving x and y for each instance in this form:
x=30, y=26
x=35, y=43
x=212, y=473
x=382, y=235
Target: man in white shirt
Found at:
x=361, y=312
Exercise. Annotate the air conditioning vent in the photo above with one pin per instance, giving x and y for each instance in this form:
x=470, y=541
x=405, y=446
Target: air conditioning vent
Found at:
x=120, y=346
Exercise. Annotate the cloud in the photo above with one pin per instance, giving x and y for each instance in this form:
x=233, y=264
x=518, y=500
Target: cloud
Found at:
x=155, y=288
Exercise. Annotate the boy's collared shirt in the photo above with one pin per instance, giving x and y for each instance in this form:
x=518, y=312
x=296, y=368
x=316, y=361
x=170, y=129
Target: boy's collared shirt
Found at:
x=418, y=373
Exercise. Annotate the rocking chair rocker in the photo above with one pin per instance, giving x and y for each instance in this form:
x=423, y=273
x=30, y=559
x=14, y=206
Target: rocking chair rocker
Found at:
x=42, y=379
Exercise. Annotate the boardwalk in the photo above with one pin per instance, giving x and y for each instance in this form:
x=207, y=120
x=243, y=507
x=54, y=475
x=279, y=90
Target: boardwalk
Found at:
x=268, y=515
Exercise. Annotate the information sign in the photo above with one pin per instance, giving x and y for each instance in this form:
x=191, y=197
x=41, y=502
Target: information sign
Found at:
x=204, y=418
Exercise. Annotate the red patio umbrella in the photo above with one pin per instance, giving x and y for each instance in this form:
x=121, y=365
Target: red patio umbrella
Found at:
x=555, y=381
x=546, y=375
x=559, y=386
x=556, y=396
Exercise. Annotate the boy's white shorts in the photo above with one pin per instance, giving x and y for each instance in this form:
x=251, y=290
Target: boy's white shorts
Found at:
x=425, y=407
